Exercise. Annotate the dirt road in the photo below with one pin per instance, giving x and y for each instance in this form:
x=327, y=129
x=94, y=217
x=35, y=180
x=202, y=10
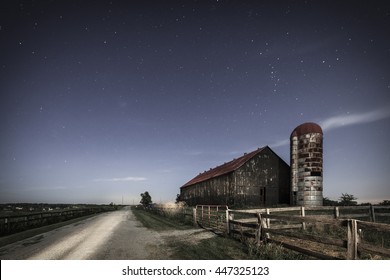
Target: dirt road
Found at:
x=115, y=235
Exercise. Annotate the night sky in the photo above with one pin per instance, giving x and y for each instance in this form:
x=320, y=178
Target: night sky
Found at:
x=107, y=99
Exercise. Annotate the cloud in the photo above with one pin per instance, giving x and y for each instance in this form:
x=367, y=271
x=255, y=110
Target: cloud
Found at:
x=280, y=143
x=53, y=188
x=345, y=120
x=124, y=179
x=165, y=170
x=193, y=153
x=354, y=119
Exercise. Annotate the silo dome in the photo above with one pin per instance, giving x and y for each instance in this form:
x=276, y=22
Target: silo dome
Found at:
x=306, y=158
x=306, y=128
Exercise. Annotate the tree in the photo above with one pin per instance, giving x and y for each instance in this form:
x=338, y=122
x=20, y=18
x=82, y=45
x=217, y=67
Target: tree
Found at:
x=146, y=199
x=178, y=198
x=347, y=199
x=385, y=203
x=329, y=202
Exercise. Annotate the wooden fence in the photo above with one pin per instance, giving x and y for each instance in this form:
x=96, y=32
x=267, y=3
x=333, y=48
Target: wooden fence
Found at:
x=212, y=217
x=15, y=223
x=332, y=231
x=321, y=232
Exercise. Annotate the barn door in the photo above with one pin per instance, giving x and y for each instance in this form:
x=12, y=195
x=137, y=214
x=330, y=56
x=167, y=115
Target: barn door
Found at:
x=262, y=195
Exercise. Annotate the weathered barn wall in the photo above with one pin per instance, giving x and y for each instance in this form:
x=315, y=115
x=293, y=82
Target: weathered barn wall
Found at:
x=259, y=182
x=211, y=192
x=263, y=179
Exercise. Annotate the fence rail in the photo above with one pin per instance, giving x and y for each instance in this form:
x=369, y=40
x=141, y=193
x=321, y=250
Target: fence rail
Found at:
x=304, y=224
x=212, y=217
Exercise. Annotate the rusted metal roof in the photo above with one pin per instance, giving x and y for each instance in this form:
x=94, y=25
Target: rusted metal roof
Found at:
x=224, y=168
x=306, y=128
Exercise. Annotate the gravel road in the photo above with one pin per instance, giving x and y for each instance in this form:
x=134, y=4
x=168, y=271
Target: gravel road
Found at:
x=114, y=235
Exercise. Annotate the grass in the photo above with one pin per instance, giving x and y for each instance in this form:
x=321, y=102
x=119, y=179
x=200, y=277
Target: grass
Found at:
x=271, y=251
x=157, y=222
x=215, y=248
x=225, y=248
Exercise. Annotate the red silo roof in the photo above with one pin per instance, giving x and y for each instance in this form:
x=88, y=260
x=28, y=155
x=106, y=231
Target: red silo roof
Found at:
x=306, y=128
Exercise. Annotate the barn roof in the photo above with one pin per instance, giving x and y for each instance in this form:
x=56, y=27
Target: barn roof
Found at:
x=224, y=168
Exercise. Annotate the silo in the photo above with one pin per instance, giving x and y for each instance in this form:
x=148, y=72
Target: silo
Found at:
x=306, y=165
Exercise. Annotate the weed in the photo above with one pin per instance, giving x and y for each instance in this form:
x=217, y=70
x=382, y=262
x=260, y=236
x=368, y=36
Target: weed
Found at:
x=157, y=222
x=270, y=251
x=215, y=248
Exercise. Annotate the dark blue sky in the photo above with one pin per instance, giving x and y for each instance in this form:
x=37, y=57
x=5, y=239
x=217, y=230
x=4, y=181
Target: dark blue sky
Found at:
x=104, y=99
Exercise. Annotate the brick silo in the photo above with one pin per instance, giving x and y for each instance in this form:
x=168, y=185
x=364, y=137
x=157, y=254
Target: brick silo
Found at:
x=306, y=158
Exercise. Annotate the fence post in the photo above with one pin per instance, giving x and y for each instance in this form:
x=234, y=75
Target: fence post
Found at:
x=372, y=213
x=258, y=230
x=209, y=216
x=227, y=222
x=202, y=215
x=264, y=235
x=194, y=215
x=336, y=212
x=352, y=239
x=303, y=215
x=268, y=220
x=228, y=218
x=217, y=218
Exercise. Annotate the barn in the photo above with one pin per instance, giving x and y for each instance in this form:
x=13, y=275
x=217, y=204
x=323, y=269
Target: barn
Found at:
x=258, y=178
